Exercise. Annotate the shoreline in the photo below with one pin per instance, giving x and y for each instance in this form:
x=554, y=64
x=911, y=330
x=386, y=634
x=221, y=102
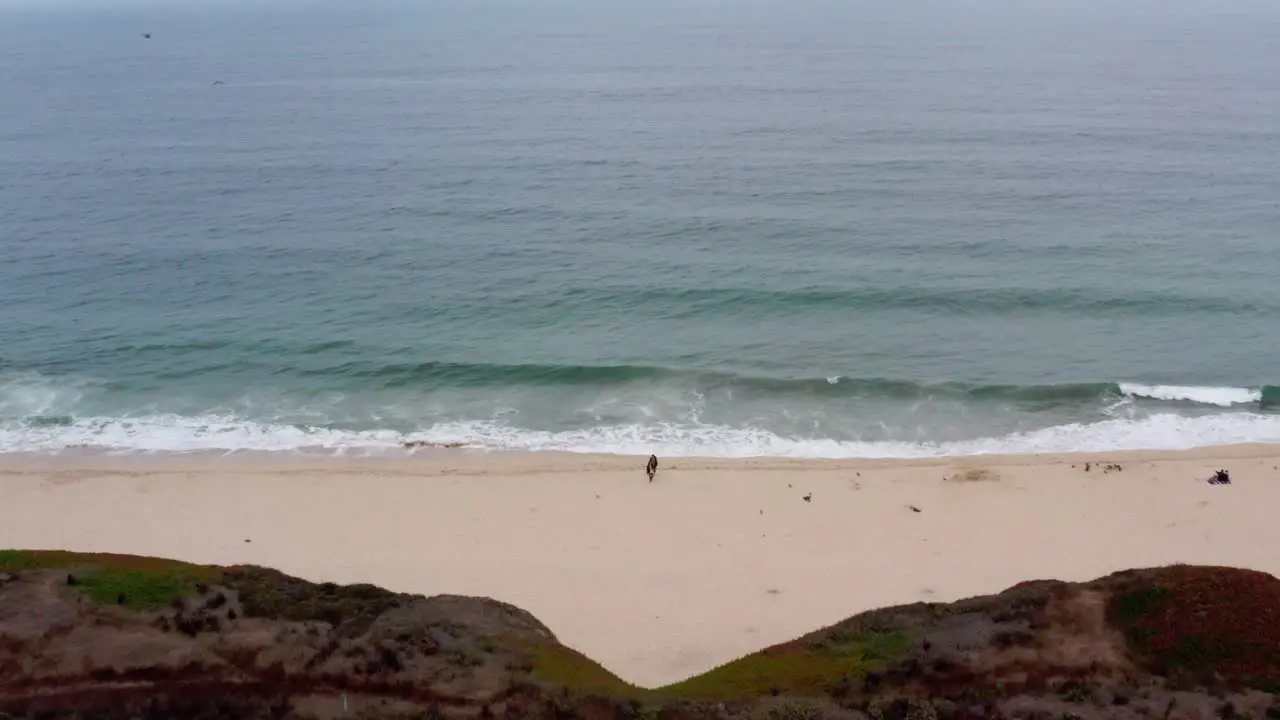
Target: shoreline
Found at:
x=1013, y=434
x=438, y=454
x=659, y=581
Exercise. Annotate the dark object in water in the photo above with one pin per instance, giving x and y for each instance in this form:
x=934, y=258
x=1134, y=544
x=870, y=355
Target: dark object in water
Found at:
x=146, y=36
x=652, y=468
x=1221, y=477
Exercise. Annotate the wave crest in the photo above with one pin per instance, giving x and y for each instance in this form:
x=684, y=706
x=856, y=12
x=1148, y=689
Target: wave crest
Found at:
x=628, y=409
x=168, y=433
x=1220, y=396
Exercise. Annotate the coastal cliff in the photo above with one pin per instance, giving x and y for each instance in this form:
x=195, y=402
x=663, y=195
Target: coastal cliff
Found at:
x=110, y=636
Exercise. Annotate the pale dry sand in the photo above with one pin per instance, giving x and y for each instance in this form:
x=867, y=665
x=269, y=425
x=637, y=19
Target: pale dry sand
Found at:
x=659, y=581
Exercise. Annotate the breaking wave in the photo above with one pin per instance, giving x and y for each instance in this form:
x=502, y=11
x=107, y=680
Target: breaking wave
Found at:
x=824, y=417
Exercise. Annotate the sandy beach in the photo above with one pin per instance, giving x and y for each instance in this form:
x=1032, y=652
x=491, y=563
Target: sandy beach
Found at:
x=658, y=581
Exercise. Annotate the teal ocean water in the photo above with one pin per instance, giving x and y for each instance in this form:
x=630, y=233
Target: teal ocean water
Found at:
x=700, y=227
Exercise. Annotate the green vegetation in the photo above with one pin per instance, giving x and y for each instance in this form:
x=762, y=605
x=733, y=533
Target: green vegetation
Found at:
x=1203, y=625
x=940, y=611
x=19, y=560
x=797, y=668
x=140, y=590
x=268, y=593
x=871, y=647
x=568, y=668
x=762, y=675
x=144, y=583
x=1199, y=629
x=1136, y=605
x=1135, y=608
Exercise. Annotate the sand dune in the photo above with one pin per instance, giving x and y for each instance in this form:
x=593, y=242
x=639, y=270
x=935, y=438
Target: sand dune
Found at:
x=658, y=581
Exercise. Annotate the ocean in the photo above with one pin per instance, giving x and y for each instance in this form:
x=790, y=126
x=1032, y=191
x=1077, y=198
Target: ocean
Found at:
x=689, y=227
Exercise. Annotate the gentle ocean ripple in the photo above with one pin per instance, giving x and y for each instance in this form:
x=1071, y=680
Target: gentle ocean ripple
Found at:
x=758, y=228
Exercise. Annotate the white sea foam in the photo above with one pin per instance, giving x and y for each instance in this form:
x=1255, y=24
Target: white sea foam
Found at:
x=27, y=393
x=1221, y=396
x=1155, y=432
x=173, y=433
x=168, y=433
x=40, y=414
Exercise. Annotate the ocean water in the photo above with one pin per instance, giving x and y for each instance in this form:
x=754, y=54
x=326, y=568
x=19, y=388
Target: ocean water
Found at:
x=687, y=227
